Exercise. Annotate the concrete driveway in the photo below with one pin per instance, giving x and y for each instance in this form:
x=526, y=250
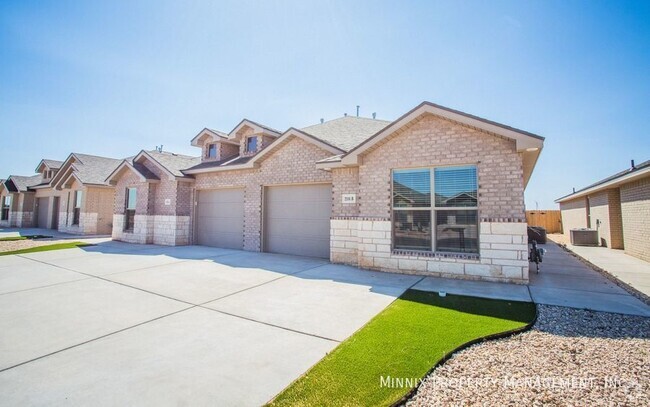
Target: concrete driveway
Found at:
x=120, y=324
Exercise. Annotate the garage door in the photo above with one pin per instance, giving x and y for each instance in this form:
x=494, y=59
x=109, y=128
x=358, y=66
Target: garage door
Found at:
x=42, y=204
x=220, y=218
x=297, y=220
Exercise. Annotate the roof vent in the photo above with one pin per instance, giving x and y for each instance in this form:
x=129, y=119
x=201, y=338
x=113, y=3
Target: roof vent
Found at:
x=632, y=165
x=374, y=115
x=358, y=110
x=574, y=190
x=345, y=114
x=322, y=120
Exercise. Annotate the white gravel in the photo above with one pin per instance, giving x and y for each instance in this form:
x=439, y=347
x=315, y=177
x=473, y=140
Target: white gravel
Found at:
x=570, y=357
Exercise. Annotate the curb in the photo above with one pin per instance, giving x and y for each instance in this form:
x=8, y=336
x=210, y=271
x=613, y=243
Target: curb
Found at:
x=501, y=335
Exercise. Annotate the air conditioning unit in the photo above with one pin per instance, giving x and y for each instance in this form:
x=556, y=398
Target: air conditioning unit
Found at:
x=584, y=237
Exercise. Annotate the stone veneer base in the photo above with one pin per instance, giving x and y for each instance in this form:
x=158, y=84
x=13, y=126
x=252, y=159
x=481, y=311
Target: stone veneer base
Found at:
x=168, y=230
x=366, y=243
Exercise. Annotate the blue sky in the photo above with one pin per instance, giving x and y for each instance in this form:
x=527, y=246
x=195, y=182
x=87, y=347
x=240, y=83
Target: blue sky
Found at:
x=112, y=78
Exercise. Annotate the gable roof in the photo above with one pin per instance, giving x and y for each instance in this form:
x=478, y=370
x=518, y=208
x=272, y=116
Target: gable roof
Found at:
x=346, y=132
x=213, y=134
x=172, y=162
x=628, y=175
x=86, y=168
x=20, y=183
x=238, y=162
x=51, y=164
x=529, y=144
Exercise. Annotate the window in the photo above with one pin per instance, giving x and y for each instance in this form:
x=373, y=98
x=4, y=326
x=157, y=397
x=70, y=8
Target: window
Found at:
x=6, y=204
x=77, y=207
x=212, y=151
x=129, y=218
x=251, y=144
x=448, y=222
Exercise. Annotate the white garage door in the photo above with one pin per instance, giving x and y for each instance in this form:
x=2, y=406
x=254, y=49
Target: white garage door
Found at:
x=220, y=218
x=297, y=219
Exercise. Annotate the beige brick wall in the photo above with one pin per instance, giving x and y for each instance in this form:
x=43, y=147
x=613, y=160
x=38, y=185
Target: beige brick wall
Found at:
x=615, y=219
x=432, y=141
x=100, y=201
x=574, y=214
x=293, y=162
x=599, y=208
x=345, y=181
x=635, y=208
x=361, y=234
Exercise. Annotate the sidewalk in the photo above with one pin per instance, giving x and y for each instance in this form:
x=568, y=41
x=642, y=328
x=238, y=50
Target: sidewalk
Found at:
x=632, y=271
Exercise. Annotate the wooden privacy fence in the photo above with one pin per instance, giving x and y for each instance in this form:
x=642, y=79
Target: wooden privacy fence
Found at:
x=549, y=220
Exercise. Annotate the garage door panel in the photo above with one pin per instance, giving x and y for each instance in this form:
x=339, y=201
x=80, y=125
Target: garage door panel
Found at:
x=297, y=219
x=42, y=209
x=220, y=218
x=309, y=228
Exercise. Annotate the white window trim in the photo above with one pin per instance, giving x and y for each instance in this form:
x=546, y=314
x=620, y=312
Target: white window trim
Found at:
x=432, y=209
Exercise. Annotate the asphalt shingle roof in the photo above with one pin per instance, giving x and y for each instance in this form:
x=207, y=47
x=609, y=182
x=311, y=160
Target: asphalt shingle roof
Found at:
x=92, y=169
x=234, y=160
x=346, y=132
x=637, y=167
x=22, y=182
x=53, y=164
x=174, y=162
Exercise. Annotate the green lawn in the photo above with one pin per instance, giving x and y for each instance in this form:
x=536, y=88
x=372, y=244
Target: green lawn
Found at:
x=404, y=341
x=57, y=246
x=12, y=238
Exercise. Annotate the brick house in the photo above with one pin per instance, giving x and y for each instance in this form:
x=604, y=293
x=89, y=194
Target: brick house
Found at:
x=618, y=207
x=153, y=198
x=28, y=201
x=435, y=192
x=85, y=197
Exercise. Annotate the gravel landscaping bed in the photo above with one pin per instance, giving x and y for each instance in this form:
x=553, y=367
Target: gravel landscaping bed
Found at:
x=9, y=246
x=570, y=357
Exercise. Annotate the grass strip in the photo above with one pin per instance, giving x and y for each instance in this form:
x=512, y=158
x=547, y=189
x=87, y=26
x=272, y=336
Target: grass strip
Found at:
x=402, y=342
x=57, y=246
x=12, y=238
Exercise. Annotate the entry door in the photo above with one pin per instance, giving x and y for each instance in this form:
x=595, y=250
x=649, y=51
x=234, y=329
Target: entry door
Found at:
x=42, y=204
x=220, y=218
x=297, y=219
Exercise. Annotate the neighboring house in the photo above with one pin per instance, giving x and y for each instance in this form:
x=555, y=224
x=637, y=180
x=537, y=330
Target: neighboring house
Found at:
x=19, y=206
x=618, y=207
x=46, y=198
x=153, y=198
x=5, y=205
x=86, y=198
x=325, y=191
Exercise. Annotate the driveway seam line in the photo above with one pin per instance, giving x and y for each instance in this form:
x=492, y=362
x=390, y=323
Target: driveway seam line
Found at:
x=118, y=283
x=256, y=286
x=97, y=338
x=270, y=324
x=45, y=286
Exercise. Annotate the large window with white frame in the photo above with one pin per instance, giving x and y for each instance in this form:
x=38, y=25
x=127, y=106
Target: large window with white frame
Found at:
x=435, y=209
